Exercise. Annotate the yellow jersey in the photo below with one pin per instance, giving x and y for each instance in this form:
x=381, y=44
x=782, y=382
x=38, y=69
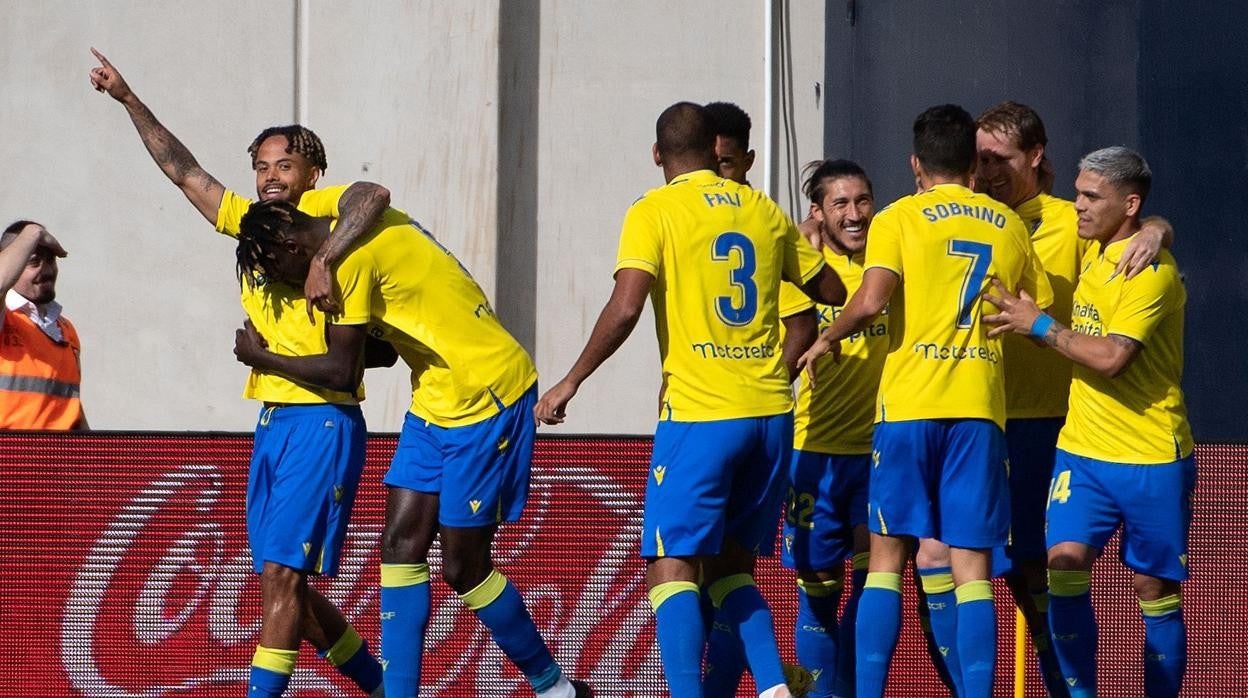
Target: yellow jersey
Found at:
x=1037, y=380
x=1138, y=417
x=413, y=293
x=717, y=251
x=838, y=415
x=279, y=312
x=945, y=245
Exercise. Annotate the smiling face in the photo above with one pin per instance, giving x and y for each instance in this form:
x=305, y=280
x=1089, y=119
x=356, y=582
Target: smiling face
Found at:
x=282, y=175
x=845, y=214
x=1008, y=173
x=1103, y=207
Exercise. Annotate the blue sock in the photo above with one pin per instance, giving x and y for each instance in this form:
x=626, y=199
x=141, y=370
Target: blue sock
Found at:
x=742, y=607
x=499, y=607
x=876, y=636
x=942, y=614
x=1074, y=629
x=977, y=637
x=843, y=680
x=1165, y=646
x=404, y=615
x=1042, y=641
x=816, y=633
x=678, y=628
x=725, y=659
x=270, y=672
x=351, y=657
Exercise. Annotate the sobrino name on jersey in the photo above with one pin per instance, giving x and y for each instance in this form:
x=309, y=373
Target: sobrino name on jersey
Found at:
x=983, y=213
x=711, y=350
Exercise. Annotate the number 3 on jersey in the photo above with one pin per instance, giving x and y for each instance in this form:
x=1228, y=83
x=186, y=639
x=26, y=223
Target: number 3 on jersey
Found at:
x=980, y=254
x=741, y=276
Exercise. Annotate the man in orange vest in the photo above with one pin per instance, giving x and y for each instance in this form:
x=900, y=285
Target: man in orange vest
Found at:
x=39, y=365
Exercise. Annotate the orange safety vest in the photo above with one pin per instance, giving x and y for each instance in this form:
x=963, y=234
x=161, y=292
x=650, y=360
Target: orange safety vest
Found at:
x=39, y=377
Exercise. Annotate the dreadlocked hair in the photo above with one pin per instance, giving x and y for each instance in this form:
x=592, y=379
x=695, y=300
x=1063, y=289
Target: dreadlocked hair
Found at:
x=265, y=225
x=299, y=139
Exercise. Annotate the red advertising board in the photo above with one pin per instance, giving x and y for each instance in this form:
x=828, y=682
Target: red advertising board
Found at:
x=125, y=572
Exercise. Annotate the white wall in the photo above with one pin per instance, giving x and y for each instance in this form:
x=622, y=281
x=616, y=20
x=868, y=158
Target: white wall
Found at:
x=403, y=93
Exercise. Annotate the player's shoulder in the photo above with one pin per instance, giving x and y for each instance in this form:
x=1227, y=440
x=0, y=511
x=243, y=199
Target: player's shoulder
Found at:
x=1162, y=272
x=1056, y=205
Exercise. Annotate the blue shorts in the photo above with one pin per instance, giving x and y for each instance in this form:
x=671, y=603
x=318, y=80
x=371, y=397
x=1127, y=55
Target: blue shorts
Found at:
x=827, y=499
x=1089, y=499
x=714, y=480
x=305, y=466
x=480, y=471
x=940, y=478
x=1032, y=445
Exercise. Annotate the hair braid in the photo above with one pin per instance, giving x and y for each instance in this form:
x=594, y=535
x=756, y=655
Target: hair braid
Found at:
x=299, y=139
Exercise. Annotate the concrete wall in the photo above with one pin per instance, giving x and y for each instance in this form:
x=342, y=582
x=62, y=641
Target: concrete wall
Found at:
x=519, y=131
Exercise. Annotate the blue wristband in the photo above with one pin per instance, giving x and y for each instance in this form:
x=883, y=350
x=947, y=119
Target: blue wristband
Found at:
x=1041, y=326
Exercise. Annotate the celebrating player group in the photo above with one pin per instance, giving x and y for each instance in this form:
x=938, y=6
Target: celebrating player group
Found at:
x=978, y=380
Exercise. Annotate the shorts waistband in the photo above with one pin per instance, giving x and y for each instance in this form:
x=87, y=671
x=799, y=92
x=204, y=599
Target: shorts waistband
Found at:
x=278, y=412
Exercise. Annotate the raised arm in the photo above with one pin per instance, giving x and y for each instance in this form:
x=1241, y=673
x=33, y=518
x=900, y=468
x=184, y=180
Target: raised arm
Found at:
x=360, y=209
x=15, y=257
x=202, y=189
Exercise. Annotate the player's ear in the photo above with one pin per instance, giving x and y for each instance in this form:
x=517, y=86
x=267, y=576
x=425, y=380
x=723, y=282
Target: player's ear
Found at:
x=1133, y=203
x=914, y=165
x=1036, y=156
x=749, y=160
x=658, y=159
x=816, y=212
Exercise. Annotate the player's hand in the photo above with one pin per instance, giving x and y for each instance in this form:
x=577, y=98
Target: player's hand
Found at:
x=248, y=344
x=552, y=408
x=821, y=346
x=44, y=239
x=1141, y=250
x=812, y=230
x=106, y=78
x=1014, y=313
x=318, y=289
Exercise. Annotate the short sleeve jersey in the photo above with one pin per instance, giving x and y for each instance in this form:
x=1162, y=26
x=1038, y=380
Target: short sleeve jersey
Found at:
x=1138, y=417
x=945, y=245
x=837, y=415
x=280, y=314
x=412, y=292
x=1037, y=379
x=717, y=251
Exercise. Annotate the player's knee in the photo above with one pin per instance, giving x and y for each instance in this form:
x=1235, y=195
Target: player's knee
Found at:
x=932, y=553
x=282, y=585
x=1071, y=556
x=399, y=546
x=1152, y=588
x=464, y=573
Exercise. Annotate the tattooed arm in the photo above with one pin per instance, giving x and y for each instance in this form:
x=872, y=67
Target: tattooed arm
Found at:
x=1109, y=355
x=202, y=189
x=360, y=208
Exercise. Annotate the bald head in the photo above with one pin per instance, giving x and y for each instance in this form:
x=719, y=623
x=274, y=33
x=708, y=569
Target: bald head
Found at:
x=683, y=131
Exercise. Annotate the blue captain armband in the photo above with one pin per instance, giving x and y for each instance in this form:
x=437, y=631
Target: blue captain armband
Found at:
x=1041, y=326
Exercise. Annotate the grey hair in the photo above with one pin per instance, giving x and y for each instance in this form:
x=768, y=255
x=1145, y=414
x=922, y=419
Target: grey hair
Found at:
x=1121, y=166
